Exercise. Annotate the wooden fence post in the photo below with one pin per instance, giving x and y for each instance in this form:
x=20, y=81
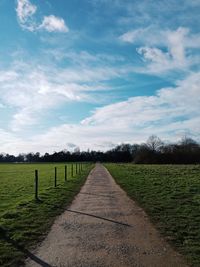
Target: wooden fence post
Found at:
x=72, y=170
x=55, y=177
x=65, y=173
x=36, y=184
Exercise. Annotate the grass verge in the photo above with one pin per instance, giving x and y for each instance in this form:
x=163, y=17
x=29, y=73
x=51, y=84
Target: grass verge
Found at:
x=25, y=225
x=170, y=194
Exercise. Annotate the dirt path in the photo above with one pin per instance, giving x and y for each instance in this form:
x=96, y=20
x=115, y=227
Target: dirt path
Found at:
x=103, y=227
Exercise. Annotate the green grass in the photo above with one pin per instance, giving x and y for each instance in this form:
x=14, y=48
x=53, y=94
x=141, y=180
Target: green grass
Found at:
x=24, y=221
x=170, y=194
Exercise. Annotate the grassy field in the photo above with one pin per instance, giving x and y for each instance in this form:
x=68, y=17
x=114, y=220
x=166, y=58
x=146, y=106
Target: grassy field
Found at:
x=23, y=220
x=170, y=194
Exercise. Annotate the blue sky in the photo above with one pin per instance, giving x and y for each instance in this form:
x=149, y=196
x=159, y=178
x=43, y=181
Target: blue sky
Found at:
x=97, y=73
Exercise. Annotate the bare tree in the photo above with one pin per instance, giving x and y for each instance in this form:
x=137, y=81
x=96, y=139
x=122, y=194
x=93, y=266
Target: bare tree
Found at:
x=154, y=143
x=188, y=144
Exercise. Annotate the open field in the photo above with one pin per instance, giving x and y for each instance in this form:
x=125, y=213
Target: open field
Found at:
x=24, y=221
x=170, y=194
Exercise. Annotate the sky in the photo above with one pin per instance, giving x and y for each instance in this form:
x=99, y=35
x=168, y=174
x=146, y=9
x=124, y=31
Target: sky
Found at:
x=93, y=74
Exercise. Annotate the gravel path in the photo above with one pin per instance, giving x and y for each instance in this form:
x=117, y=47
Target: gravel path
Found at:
x=102, y=228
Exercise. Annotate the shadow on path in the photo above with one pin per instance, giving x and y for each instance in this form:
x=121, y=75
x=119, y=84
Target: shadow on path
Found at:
x=4, y=236
x=99, y=217
x=83, y=193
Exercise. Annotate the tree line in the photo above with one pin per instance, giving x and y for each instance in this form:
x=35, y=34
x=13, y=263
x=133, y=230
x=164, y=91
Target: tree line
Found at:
x=154, y=151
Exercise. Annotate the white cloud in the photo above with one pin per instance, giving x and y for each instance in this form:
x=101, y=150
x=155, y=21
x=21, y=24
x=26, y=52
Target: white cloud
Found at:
x=166, y=13
x=154, y=55
x=6, y=76
x=23, y=118
x=176, y=45
x=32, y=90
x=132, y=36
x=25, y=13
x=159, y=61
x=170, y=114
x=7, y=140
x=53, y=24
x=164, y=50
x=83, y=57
x=151, y=35
x=170, y=110
x=25, y=10
x=155, y=36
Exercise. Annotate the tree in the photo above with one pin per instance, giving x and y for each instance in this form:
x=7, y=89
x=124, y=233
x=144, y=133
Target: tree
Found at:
x=188, y=144
x=154, y=143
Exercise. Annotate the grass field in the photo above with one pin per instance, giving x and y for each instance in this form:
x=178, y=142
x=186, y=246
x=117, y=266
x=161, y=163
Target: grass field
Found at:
x=170, y=194
x=23, y=220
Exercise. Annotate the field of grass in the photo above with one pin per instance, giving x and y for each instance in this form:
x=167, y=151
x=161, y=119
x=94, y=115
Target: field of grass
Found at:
x=23, y=220
x=170, y=194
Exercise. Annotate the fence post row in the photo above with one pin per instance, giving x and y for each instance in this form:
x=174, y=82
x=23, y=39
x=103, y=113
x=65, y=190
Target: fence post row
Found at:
x=36, y=184
x=78, y=168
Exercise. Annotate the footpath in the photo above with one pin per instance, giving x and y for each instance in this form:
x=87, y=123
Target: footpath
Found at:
x=103, y=227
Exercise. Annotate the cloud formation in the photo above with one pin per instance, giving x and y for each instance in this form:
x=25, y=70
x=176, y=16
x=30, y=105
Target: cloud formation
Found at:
x=110, y=81
x=32, y=89
x=170, y=113
x=53, y=24
x=25, y=13
x=163, y=50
